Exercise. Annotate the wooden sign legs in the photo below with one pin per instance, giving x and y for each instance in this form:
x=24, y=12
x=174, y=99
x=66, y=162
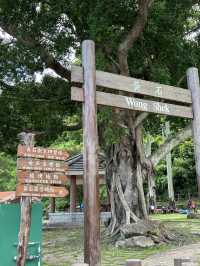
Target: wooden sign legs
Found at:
x=193, y=84
x=90, y=138
x=25, y=220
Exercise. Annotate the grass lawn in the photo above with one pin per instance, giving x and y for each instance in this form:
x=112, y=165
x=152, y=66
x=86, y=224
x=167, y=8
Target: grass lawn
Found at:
x=63, y=247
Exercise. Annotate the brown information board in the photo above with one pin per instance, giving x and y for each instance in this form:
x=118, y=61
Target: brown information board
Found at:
x=35, y=177
x=41, y=165
x=42, y=153
x=40, y=190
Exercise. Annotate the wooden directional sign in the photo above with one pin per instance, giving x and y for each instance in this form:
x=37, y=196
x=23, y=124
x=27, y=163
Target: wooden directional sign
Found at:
x=137, y=86
x=42, y=153
x=40, y=190
x=41, y=165
x=34, y=177
x=132, y=103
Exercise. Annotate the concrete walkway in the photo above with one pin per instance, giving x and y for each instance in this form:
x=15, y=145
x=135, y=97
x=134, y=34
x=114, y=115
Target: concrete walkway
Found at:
x=167, y=258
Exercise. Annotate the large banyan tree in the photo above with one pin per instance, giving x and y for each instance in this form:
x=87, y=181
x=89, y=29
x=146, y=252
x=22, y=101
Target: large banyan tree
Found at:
x=149, y=39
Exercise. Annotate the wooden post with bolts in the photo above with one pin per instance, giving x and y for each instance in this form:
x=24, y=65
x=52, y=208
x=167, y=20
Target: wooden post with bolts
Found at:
x=193, y=85
x=25, y=219
x=90, y=140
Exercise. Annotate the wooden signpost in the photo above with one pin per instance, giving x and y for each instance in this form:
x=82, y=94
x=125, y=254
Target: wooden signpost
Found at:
x=157, y=97
x=39, y=170
x=41, y=173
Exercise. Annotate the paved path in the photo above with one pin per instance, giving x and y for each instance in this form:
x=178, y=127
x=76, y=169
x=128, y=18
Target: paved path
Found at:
x=167, y=258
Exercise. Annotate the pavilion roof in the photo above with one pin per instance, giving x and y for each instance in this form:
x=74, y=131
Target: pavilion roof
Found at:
x=75, y=164
x=7, y=196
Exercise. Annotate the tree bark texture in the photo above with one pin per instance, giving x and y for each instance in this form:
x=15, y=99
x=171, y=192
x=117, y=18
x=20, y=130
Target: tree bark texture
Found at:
x=52, y=205
x=125, y=175
x=128, y=167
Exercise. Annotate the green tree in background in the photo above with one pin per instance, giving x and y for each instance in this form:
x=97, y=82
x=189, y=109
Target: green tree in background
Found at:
x=7, y=172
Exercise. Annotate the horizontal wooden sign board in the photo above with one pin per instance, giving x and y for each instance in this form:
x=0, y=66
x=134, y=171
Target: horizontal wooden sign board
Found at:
x=41, y=165
x=39, y=190
x=42, y=153
x=125, y=102
x=34, y=177
x=128, y=84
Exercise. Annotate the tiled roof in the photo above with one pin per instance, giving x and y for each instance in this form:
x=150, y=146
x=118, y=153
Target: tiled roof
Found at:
x=75, y=164
x=6, y=196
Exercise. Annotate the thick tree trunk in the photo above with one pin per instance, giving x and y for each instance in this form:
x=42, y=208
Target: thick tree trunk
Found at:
x=126, y=171
x=125, y=177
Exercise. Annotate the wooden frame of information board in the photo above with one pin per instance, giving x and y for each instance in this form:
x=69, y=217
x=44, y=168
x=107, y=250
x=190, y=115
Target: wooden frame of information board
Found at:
x=41, y=173
x=161, y=99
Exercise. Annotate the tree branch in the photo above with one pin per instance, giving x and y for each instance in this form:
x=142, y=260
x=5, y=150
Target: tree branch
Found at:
x=170, y=144
x=133, y=35
x=45, y=56
x=139, y=119
x=194, y=2
x=5, y=85
x=73, y=127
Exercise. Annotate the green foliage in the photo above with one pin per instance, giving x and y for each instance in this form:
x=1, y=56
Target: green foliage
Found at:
x=110, y=132
x=103, y=193
x=183, y=167
x=72, y=141
x=7, y=172
x=162, y=54
x=43, y=108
